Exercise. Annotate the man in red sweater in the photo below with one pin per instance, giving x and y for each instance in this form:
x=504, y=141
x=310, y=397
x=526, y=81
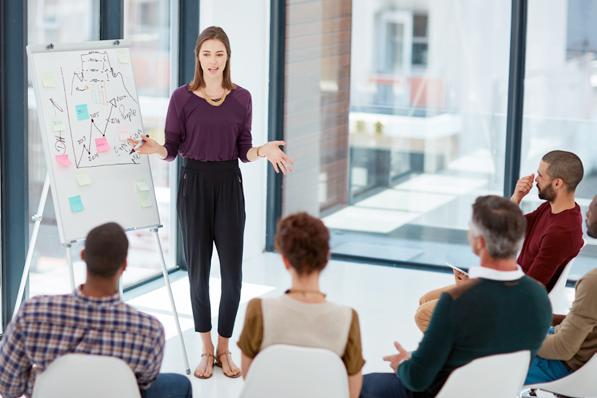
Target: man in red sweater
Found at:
x=553, y=232
x=554, y=229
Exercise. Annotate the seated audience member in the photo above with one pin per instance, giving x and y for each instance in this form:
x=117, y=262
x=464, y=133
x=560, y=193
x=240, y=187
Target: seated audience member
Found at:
x=573, y=341
x=91, y=320
x=303, y=316
x=476, y=318
x=554, y=230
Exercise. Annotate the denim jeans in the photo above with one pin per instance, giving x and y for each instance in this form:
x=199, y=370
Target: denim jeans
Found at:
x=542, y=370
x=169, y=385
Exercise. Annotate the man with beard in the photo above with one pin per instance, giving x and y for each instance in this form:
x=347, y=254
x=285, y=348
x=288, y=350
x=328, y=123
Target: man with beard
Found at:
x=554, y=230
x=477, y=318
x=573, y=340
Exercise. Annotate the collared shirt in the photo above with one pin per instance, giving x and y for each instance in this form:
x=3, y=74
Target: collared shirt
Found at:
x=47, y=327
x=494, y=274
x=473, y=320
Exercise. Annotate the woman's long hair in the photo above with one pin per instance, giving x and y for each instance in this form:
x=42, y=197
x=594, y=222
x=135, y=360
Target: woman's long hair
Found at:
x=211, y=33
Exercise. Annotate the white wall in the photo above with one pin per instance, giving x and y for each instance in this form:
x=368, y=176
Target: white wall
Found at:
x=247, y=25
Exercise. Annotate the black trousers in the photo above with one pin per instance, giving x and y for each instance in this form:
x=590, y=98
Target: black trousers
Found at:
x=211, y=209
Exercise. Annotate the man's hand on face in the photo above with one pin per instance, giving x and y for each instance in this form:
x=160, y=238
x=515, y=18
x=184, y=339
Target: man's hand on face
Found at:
x=523, y=187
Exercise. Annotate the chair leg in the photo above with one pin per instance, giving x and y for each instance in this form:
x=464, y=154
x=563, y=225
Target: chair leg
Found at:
x=528, y=393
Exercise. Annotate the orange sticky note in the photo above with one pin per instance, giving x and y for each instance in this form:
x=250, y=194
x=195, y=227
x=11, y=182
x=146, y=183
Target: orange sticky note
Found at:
x=63, y=160
x=101, y=144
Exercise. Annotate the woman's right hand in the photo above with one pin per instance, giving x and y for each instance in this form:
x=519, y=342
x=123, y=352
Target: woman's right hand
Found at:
x=149, y=146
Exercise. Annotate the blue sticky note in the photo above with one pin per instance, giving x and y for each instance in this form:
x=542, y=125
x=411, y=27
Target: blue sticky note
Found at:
x=82, y=112
x=76, y=205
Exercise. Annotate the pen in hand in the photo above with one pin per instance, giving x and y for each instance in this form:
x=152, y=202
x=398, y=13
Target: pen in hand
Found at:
x=139, y=145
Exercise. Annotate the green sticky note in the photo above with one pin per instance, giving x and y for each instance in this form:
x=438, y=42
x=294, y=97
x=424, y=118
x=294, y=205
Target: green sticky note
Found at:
x=142, y=186
x=83, y=178
x=145, y=198
x=82, y=112
x=76, y=205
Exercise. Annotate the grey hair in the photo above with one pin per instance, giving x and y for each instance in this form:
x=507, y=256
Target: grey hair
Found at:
x=498, y=246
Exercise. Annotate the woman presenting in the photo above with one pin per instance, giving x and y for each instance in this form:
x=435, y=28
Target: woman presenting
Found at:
x=209, y=125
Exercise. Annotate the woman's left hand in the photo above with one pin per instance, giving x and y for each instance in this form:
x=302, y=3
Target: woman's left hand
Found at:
x=279, y=160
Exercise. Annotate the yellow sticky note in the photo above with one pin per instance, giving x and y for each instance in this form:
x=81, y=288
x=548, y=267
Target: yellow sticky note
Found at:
x=48, y=80
x=123, y=56
x=83, y=178
x=142, y=186
x=145, y=198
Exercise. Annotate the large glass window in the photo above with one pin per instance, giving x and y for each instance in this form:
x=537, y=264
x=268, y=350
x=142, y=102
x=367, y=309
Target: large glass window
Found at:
x=52, y=21
x=147, y=24
x=148, y=27
x=560, y=97
x=424, y=85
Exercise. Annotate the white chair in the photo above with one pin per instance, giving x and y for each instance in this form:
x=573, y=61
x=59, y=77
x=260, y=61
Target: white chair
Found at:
x=557, y=296
x=296, y=372
x=579, y=384
x=89, y=376
x=495, y=376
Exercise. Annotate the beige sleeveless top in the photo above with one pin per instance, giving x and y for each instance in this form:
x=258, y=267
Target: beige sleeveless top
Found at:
x=283, y=320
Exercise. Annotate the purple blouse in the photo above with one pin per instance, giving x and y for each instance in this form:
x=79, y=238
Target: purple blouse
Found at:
x=200, y=131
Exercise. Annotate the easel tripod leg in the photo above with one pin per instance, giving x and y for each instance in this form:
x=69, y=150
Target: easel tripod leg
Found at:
x=169, y=289
x=32, y=241
x=71, y=269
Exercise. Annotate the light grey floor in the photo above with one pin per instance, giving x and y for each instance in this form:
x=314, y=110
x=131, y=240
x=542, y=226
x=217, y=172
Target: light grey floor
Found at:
x=385, y=298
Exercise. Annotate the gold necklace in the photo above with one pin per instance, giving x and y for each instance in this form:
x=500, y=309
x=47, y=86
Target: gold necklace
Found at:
x=213, y=101
x=304, y=292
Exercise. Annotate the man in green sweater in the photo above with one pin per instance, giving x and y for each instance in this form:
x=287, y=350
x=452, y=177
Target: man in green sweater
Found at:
x=475, y=318
x=573, y=341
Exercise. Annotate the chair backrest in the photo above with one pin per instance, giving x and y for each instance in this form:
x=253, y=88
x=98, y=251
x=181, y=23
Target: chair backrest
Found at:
x=557, y=295
x=296, y=372
x=580, y=383
x=495, y=376
x=90, y=376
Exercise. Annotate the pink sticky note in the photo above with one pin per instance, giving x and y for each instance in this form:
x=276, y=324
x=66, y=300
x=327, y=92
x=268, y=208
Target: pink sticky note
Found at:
x=63, y=160
x=101, y=144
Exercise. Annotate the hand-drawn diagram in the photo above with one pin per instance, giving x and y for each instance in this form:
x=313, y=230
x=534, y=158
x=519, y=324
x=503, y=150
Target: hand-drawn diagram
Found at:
x=97, y=114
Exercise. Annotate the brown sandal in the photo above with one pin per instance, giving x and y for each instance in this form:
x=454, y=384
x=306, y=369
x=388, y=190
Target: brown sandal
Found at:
x=218, y=363
x=205, y=354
